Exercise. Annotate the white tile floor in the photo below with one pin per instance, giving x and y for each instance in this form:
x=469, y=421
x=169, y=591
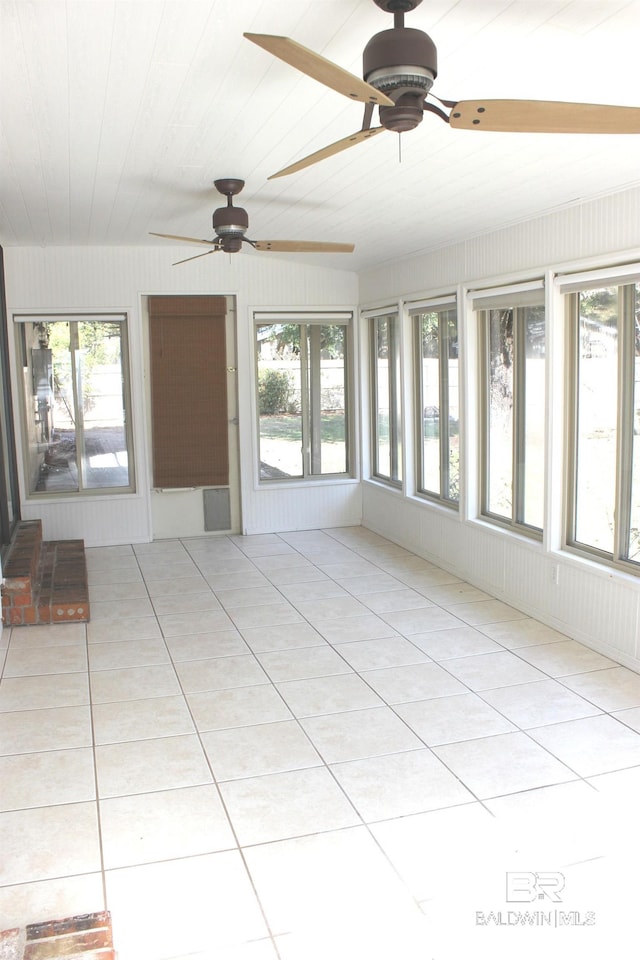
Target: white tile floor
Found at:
x=316, y=745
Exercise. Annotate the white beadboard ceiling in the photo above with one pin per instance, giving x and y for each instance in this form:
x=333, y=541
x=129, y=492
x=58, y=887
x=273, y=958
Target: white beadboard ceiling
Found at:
x=117, y=115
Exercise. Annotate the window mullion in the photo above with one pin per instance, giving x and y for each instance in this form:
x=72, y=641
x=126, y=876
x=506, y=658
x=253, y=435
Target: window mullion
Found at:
x=519, y=416
x=305, y=401
x=573, y=353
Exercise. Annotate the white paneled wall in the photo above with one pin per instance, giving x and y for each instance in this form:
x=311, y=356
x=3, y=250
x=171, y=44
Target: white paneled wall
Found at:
x=97, y=278
x=596, y=605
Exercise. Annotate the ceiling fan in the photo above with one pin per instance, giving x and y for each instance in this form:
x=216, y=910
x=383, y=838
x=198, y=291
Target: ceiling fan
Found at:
x=231, y=223
x=399, y=68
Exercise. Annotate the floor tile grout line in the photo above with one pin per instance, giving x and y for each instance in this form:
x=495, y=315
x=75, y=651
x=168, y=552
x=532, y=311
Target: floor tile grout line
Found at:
x=98, y=809
x=340, y=786
x=218, y=792
x=224, y=806
x=103, y=872
x=328, y=766
x=427, y=746
x=357, y=672
x=519, y=728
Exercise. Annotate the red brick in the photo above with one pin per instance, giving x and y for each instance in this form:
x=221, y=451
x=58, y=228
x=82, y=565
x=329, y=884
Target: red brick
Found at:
x=57, y=579
x=29, y=614
x=17, y=584
x=22, y=599
x=81, y=921
x=84, y=943
x=44, y=613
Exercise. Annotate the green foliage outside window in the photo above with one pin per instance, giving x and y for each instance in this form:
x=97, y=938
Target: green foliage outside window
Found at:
x=274, y=387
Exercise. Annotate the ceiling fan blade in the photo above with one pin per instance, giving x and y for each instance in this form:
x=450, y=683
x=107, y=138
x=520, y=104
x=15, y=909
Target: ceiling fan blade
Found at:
x=303, y=246
x=318, y=68
x=543, y=116
x=171, y=236
x=197, y=256
x=329, y=151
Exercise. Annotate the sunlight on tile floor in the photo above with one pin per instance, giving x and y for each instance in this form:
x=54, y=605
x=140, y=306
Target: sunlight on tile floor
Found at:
x=313, y=745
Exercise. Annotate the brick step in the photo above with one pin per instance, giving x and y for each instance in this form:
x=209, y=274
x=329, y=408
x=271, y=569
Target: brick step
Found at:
x=45, y=581
x=85, y=937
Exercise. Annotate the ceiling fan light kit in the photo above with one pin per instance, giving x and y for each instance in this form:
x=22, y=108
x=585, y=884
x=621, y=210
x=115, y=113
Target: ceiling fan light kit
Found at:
x=400, y=66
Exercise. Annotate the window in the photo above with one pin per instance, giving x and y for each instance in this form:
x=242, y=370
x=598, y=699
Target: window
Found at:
x=436, y=338
x=76, y=403
x=303, y=396
x=386, y=397
x=604, y=473
x=512, y=377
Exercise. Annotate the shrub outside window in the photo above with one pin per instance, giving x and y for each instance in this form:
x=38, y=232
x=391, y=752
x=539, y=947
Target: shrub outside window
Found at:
x=303, y=396
x=77, y=431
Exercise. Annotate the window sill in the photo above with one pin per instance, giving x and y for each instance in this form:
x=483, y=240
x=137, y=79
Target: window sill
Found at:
x=300, y=483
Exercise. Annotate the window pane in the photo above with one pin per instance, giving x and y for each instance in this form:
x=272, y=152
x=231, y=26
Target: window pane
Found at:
x=386, y=375
x=303, y=399
x=101, y=399
x=280, y=401
x=634, y=537
x=597, y=414
x=430, y=402
x=327, y=354
x=500, y=413
x=534, y=411
x=382, y=377
x=74, y=386
x=52, y=432
x=450, y=319
x=438, y=404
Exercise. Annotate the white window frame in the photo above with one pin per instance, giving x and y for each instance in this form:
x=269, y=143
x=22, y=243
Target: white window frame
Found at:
x=312, y=320
x=416, y=309
x=624, y=277
x=516, y=297
x=69, y=316
x=395, y=396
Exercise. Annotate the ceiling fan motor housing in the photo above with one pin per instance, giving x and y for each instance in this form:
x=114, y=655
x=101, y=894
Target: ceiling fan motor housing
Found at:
x=403, y=63
x=230, y=224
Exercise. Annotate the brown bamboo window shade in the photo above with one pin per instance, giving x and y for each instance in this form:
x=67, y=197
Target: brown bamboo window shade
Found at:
x=189, y=418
